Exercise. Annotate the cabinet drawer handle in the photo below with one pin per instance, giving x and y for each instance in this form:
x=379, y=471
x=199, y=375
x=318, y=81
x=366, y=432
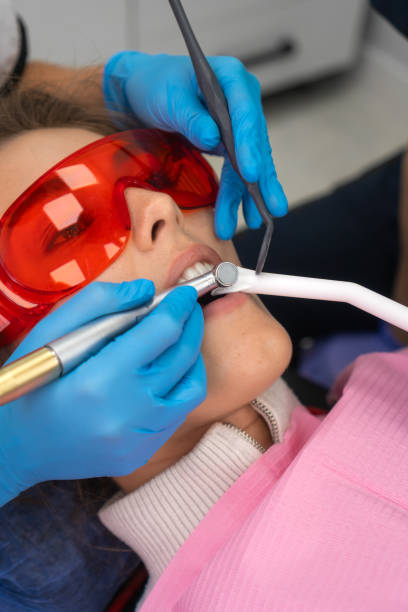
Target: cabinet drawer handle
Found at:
x=283, y=48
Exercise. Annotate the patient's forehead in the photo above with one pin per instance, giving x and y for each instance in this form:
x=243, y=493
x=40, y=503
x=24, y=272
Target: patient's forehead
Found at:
x=25, y=157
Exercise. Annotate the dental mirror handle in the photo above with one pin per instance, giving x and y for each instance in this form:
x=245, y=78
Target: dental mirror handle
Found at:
x=62, y=355
x=218, y=108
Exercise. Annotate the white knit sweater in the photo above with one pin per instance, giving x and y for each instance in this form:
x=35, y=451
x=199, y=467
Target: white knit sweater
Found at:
x=158, y=517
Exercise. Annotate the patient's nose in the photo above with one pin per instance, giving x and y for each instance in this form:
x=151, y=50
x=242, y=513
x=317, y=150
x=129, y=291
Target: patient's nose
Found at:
x=153, y=215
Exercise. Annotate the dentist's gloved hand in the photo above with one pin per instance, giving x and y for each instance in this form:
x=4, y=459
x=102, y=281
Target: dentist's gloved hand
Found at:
x=162, y=92
x=113, y=412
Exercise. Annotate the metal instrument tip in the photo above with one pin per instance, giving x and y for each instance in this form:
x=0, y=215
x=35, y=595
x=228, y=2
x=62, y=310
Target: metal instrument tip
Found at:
x=263, y=252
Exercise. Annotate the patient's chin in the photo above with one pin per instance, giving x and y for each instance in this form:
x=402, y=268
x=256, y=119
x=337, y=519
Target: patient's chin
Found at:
x=243, y=358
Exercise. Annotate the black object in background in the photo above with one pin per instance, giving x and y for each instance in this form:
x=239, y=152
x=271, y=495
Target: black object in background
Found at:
x=350, y=234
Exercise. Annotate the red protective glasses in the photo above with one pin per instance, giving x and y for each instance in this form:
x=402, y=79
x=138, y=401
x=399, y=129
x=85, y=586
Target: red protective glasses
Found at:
x=73, y=222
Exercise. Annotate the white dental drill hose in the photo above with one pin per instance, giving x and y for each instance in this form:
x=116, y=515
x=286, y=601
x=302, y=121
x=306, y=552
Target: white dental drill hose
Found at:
x=320, y=289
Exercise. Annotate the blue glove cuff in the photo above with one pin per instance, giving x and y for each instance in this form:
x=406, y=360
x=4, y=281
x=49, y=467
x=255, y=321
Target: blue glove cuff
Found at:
x=7, y=494
x=10, y=486
x=115, y=75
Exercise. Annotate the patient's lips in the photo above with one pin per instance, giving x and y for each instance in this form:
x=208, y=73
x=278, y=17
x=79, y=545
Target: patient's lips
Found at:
x=225, y=304
x=193, y=262
x=196, y=254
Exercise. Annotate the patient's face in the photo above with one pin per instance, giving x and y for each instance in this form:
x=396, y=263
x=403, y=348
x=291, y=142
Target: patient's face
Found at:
x=244, y=348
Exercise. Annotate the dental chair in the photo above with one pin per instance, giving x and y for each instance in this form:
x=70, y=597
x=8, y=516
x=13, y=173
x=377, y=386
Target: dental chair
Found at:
x=129, y=594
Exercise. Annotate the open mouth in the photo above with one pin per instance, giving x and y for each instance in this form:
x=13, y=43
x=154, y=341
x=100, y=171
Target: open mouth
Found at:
x=206, y=299
x=197, y=269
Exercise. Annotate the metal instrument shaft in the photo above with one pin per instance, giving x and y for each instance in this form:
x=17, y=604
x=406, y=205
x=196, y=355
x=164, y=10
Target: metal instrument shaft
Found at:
x=218, y=108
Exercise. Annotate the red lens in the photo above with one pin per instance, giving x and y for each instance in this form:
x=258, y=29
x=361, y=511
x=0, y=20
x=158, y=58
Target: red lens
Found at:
x=69, y=225
x=168, y=163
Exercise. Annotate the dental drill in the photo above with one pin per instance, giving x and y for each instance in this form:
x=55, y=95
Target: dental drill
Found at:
x=62, y=355
x=65, y=353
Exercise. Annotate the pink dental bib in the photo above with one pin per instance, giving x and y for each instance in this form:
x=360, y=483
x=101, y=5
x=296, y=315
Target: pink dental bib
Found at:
x=319, y=522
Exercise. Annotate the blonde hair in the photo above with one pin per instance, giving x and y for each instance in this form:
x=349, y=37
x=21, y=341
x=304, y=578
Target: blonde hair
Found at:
x=32, y=109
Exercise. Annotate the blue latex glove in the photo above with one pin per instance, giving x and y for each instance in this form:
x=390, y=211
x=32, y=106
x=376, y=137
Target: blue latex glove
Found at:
x=162, y=91
x=113, y=412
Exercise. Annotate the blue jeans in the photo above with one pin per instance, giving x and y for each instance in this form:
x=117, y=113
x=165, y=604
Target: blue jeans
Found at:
x=55, y=555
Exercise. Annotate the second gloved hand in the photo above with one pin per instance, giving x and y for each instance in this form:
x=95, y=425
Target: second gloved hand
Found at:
x=113, y=412
x=162, y=92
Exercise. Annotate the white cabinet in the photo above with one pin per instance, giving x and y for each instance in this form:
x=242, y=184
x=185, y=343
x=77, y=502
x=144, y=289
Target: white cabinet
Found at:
x=282, y=41
x=74, y=31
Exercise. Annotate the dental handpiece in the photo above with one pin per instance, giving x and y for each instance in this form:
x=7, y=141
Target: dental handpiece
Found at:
x=62, y=355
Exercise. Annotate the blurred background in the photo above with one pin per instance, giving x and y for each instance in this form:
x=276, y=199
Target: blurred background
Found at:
x=334, y=74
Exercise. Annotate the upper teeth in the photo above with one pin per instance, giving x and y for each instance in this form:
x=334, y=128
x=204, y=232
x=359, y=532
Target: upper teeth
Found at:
x=199, y=268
